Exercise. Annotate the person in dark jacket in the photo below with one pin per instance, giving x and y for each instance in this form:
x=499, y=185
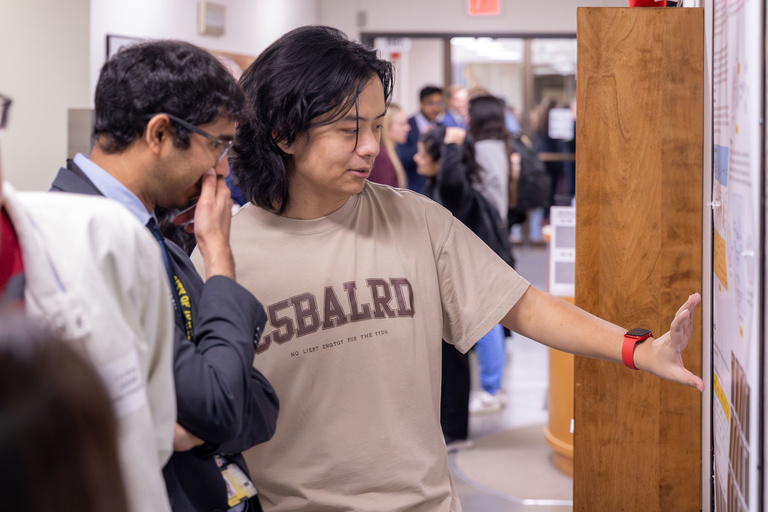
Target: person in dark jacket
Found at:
x=430, y=108
x=446, y=159
x=165, y=120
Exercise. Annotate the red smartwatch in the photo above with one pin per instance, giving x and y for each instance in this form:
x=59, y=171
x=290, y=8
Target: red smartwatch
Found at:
x=632, y=338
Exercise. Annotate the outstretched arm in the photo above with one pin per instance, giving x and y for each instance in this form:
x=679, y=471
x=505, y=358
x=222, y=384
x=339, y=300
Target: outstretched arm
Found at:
x=563, y=326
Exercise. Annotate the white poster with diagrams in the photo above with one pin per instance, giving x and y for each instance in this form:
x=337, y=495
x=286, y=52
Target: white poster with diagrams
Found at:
x=736, y=96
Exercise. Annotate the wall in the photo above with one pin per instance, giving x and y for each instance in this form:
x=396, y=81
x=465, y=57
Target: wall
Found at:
x=64, y=47
x=517, y=16
x=251, y=25
x=427, y=53
x=503, y=79
x=44, y=55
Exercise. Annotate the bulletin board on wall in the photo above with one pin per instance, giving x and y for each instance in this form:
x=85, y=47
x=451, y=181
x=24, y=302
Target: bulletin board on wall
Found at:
x=115, y=42
x=738, y=224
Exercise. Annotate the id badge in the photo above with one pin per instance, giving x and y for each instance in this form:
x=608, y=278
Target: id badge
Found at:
x=239, y=486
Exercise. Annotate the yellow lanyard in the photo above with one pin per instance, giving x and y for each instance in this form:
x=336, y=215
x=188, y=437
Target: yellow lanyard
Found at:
x=186, y=307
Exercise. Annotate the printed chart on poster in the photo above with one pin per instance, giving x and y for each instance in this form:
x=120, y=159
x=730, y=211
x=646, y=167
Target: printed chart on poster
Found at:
x=736, y=93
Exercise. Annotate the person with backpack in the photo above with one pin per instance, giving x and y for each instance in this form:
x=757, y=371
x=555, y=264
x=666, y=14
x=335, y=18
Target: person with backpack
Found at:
x=529, y=186
x=446, y=157
x=487, y=128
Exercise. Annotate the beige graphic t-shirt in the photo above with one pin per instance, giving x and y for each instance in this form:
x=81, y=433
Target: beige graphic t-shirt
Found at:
x=358, y=302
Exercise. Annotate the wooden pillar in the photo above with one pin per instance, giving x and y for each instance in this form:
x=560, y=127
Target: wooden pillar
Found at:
x=557, y=431
x=638, y=250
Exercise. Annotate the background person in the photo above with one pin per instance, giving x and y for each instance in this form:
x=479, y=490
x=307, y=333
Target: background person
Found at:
x=489, y=133
x=58, y=441
x=430, y=110
x=487, y=126
x=87, y=269
x=457, y=108
x=387, y=169
x=543, y=143
x=448, y=161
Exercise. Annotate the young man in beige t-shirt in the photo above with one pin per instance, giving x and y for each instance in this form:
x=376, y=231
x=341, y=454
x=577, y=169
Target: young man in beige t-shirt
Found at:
x=361, y=281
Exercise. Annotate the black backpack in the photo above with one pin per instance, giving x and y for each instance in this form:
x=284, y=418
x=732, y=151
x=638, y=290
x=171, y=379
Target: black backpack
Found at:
x=489, y=227
x=533, y=186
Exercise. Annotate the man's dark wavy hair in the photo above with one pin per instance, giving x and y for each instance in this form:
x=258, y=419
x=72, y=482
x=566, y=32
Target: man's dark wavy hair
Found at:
x=309, y=72
x=173, y=77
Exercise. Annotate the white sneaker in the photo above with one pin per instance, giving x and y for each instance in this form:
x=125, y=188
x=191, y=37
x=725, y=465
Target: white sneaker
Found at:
x=458, y=444
x=482, y=402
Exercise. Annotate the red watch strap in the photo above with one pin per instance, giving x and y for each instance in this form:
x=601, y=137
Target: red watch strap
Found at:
x=628, y=349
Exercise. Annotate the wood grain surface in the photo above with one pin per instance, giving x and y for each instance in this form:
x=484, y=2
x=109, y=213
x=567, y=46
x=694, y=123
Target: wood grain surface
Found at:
x=639, y=136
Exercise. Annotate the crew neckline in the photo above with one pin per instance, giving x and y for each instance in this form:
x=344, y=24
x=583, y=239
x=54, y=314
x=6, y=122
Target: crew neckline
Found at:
x=303, y=227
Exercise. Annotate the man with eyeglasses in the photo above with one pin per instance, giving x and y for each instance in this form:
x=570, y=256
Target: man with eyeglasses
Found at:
x=165, y=120
x=85, y=268
x=431, y=105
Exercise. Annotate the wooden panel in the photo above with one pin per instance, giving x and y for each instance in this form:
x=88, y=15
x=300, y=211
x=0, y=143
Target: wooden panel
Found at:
x=638, y=246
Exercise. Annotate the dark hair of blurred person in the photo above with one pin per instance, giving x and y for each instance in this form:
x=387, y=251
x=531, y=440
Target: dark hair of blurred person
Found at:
x=58, y=435
x=287, y=109
x=433, y=142
x=428, y=91
x=486, y=118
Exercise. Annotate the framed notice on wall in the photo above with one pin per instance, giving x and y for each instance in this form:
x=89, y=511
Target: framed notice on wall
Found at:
x=737, y=224
x=114, y=43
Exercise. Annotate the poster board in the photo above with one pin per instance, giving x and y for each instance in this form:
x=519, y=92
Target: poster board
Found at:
x=736, y=296
x=115, y=42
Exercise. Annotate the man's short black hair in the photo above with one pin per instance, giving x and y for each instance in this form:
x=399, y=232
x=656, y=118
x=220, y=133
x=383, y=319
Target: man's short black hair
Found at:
x=173, y=77
x=429, y=90
x=311, y=71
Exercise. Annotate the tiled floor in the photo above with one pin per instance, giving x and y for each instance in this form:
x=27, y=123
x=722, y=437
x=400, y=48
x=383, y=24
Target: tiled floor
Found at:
x=526, y=380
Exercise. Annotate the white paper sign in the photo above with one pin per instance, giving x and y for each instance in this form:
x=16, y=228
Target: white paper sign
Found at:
x=562, y=251
x=561, y=124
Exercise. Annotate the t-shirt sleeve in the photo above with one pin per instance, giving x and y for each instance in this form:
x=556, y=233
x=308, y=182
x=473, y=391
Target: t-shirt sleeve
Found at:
x=477, y=287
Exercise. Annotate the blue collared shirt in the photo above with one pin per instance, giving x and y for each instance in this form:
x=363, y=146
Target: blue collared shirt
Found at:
x=112, y=188
x=422, y=123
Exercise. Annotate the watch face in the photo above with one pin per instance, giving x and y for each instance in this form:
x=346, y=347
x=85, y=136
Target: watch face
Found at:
x=638, y=333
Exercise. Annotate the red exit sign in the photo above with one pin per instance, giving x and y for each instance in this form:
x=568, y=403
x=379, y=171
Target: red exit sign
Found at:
x=483, y=7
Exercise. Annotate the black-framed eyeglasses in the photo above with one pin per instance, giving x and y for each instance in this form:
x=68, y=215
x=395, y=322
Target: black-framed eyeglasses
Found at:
x=5, y=107
x=223, y=145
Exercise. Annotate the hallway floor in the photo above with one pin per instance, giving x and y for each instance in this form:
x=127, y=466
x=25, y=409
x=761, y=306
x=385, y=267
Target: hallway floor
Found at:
x=526, y=381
